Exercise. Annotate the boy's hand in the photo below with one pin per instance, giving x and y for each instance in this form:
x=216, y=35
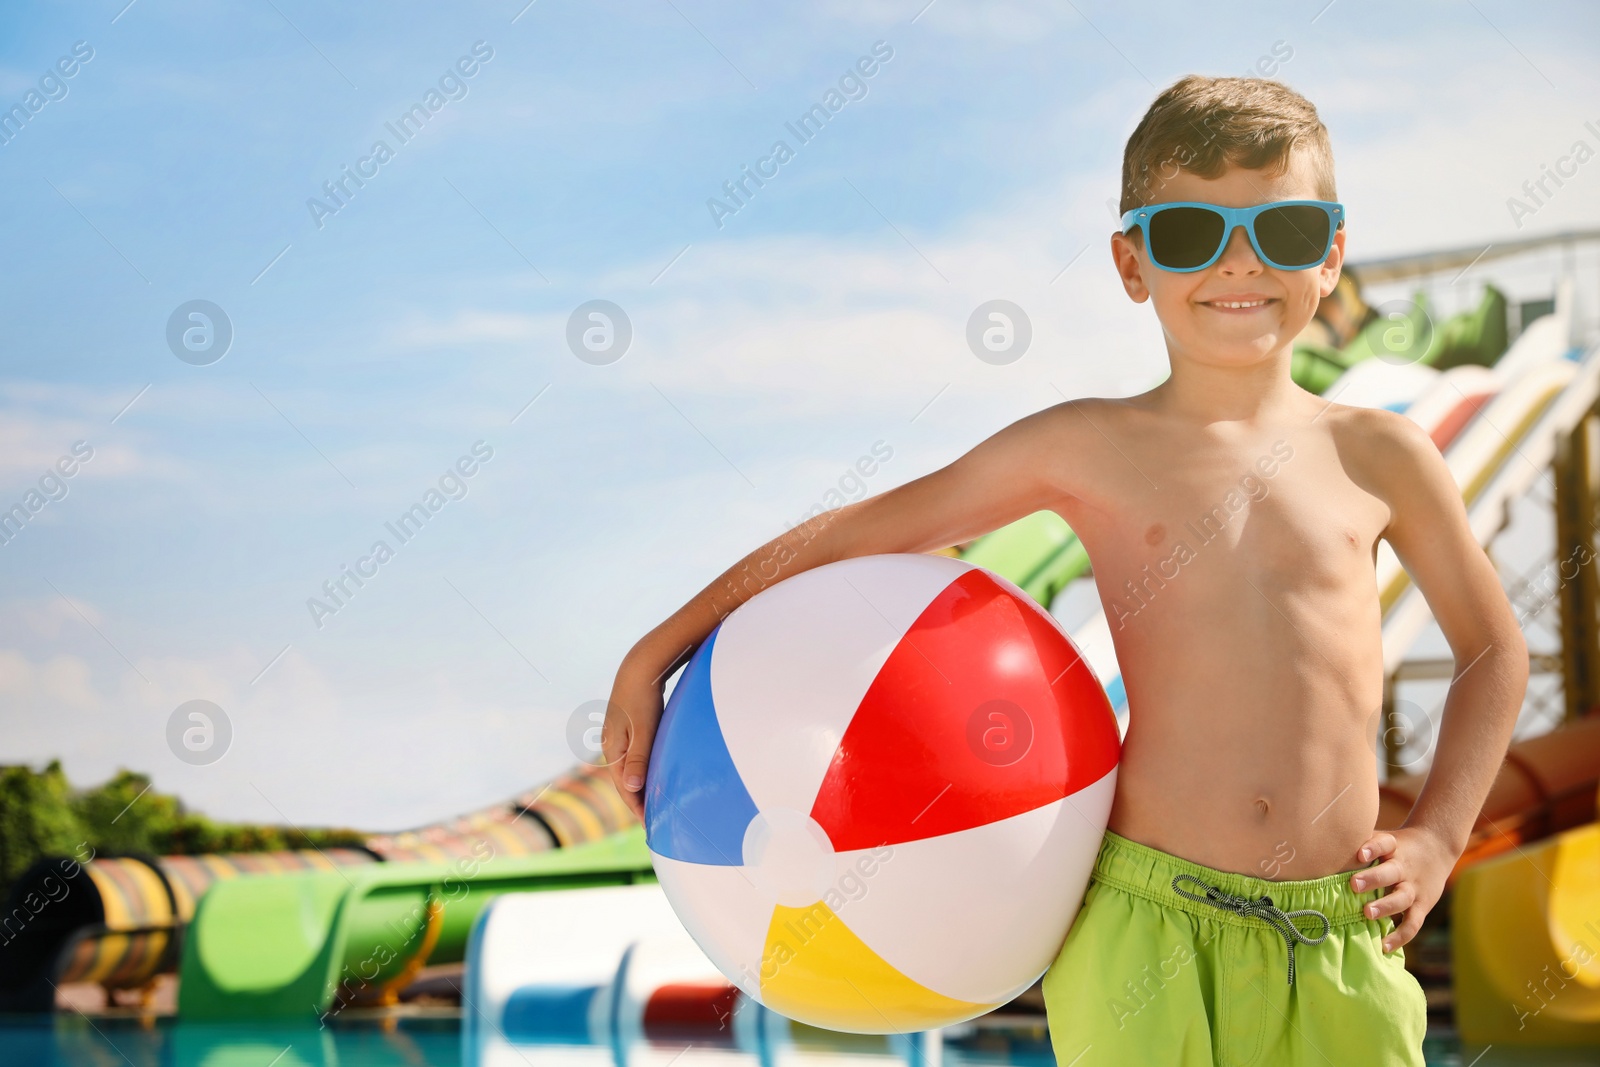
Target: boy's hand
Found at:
x=1416, y=862
x=632, y=715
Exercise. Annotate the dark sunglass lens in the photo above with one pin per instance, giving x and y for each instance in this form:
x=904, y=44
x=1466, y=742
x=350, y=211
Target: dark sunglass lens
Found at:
x=1295, y=236
x=1184, y=237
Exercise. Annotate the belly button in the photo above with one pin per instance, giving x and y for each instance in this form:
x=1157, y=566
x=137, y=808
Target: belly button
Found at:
x=1154, y=535
x=1262, y=806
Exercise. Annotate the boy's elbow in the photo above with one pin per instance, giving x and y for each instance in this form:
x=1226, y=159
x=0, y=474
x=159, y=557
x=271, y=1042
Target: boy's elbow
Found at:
x=1502, y=642
x=1509, y=646
x=1511, y=637
x=1518, y=642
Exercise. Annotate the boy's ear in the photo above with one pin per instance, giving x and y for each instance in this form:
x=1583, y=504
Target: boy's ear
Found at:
x=1130, y=267
x=1331, y=266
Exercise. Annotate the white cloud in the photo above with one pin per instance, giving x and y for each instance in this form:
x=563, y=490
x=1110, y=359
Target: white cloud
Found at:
x=469, y=325
x=32, y=444
x=59, y=683
x=48, y=617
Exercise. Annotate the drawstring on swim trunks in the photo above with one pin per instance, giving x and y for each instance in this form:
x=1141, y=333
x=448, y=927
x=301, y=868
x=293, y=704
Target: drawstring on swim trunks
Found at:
x=1263, y=909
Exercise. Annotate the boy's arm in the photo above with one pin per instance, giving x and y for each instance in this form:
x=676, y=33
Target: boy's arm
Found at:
x=1013, y=473
x=1430, y=534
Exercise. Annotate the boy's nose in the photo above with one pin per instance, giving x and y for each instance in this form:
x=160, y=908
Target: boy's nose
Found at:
x=1239, y=254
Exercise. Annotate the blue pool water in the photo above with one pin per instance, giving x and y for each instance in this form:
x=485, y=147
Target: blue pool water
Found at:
x=74, y=1039
x=47, y=1041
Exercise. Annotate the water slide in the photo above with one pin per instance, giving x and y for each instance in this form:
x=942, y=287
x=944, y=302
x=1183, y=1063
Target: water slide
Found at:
x=1524, y=931
x=600, y=967
x=120, y=920
x=286, y=947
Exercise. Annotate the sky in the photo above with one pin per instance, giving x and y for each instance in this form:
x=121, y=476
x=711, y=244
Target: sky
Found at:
x=387, y=332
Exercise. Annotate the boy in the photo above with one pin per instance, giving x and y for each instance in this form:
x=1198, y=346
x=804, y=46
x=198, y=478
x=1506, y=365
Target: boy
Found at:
x=1233, y=521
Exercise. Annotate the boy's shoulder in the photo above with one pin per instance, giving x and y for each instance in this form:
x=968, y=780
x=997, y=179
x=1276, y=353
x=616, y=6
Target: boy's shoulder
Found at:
x=1088, y=412
x=1076, y=413
x=1387, y=438
x=1391, y=456
x=1086, y=424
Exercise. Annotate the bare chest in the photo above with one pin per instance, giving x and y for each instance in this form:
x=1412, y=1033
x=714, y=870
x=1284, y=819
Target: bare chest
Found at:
x=1283, y=514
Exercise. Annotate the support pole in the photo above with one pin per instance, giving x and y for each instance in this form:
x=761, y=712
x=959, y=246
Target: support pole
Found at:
x=1577, y=477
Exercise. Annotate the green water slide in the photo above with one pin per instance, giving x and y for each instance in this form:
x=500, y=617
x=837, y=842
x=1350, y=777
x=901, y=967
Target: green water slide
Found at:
x=1039, y=554
x=299, y=946
x=1410, y=335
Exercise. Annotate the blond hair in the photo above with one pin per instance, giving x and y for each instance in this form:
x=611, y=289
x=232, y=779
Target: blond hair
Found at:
x=1202, y=125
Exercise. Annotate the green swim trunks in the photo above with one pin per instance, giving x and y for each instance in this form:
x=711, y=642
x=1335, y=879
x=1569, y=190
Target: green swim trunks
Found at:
x=1202, y=974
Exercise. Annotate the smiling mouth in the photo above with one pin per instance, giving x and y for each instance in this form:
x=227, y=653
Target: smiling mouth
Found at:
x=1237, y=305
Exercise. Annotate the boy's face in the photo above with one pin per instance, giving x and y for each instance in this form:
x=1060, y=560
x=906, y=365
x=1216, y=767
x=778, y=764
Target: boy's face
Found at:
x=1195, y=327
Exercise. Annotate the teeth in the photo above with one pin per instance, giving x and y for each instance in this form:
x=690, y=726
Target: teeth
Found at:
x=1238, y=303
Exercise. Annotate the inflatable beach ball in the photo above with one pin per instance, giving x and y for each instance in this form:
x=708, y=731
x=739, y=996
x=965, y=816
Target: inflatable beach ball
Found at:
x=877, y=791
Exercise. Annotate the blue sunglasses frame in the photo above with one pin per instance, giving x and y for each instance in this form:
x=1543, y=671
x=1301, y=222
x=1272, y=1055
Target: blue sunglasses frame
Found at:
x=1232, y=218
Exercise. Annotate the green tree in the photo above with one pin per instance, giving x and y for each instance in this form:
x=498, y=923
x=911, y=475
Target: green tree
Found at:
x=41, y=815
x=36, y=819
x=126, y=815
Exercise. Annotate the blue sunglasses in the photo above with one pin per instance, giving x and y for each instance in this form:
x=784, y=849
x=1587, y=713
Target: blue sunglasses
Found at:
x=1189, y=235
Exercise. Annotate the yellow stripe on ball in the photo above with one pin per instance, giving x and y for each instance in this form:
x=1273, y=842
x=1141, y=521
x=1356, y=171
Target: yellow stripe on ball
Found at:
x=822, y=973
